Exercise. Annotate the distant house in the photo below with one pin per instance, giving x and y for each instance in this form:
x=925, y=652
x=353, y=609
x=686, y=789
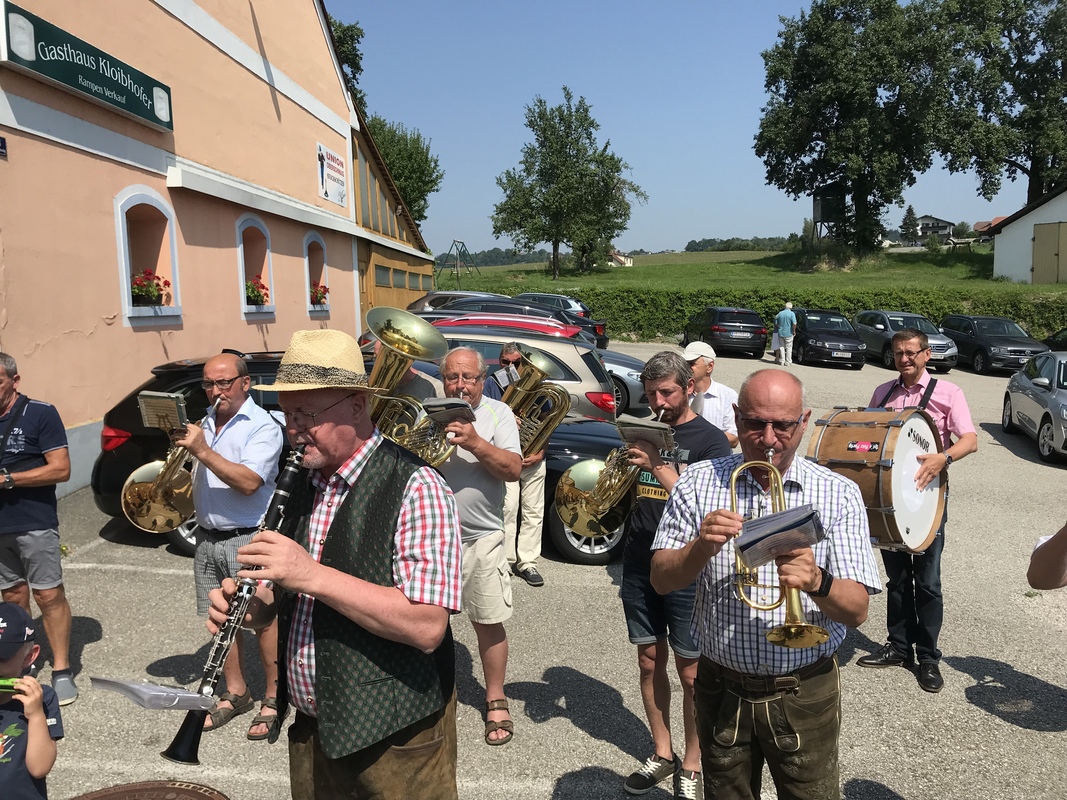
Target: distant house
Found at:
x=941, y=228
x=621, y=259
x=1028, y=243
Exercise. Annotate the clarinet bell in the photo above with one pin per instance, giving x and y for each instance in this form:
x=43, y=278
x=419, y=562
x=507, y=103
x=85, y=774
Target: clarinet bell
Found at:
x=186, y=745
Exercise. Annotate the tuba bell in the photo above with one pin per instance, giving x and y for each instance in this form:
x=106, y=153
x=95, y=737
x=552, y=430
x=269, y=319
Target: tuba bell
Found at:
x=405, y=338
x=794, y=632
x=539, y=406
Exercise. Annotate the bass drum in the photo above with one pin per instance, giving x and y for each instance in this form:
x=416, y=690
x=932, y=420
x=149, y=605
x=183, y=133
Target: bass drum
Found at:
x=879, y=450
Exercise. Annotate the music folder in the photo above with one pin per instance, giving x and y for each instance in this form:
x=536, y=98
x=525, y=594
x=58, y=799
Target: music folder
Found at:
x=781, y=531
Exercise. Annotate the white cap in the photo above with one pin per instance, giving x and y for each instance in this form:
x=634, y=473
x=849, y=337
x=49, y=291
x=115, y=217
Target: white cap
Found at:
x=695, y=350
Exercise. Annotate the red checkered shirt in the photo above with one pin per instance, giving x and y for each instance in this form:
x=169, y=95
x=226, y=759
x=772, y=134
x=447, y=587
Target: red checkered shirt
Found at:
x=426, y=556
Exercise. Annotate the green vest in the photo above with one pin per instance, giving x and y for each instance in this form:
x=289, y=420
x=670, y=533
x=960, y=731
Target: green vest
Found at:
x=366, y=687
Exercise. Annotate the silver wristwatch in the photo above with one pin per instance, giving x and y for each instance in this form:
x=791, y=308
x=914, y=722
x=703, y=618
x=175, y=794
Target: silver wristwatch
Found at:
x=9, y=481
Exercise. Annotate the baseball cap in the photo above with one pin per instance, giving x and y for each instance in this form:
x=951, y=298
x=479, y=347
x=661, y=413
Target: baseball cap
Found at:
x=16, y=628
x=695, y=350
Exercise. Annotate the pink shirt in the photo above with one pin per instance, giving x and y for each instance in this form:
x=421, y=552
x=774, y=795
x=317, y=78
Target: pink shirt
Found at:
x=947, y=405
x=426, y=556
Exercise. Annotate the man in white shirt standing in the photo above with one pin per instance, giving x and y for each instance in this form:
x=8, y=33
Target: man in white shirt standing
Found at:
x=710, y=400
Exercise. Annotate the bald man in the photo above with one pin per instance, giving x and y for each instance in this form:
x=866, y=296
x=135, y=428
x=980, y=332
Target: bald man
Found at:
x=236, y=448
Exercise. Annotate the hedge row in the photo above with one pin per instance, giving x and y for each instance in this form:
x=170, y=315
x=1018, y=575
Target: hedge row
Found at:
x=651, y=314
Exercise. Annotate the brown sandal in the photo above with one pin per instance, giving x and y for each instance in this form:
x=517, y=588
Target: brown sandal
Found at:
x=505, y=725
x=220, y=716
x=263, y=719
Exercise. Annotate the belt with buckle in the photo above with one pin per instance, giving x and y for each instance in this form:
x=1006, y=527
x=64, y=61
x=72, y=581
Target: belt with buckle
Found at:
x=770, y=684
x=228, y=534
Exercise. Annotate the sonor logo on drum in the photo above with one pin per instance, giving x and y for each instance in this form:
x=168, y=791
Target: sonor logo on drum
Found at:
x=863, y=447
x=919, y=439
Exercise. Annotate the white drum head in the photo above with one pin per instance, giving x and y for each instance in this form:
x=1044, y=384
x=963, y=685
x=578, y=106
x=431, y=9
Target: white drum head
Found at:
x=915, y=513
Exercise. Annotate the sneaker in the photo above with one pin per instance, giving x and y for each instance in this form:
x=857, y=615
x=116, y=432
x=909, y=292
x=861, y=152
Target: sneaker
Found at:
x=66, y=691
x=654, y=770
x=690, y=786
x=531, y=576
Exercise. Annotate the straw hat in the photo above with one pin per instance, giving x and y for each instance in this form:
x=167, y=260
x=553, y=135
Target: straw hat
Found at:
x=320, y=359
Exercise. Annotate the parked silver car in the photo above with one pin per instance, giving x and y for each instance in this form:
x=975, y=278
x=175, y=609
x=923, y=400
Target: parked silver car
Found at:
x=876, y=328
x=1036, y=402
x=625, y=371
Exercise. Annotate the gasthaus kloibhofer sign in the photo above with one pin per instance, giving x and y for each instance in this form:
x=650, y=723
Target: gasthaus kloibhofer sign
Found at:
x=40, y=49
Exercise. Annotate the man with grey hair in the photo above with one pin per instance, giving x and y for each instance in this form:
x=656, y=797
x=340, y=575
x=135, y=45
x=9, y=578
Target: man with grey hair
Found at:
x=33, y=459
x=487, y=455
x=785, y=328
x=658, y=623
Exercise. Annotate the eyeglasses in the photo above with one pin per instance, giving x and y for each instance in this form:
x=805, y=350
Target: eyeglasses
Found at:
x=222, y=385
x=461, y=378
x=507, y=362
x=908, y=353
x=306, y=420
x=756, y=425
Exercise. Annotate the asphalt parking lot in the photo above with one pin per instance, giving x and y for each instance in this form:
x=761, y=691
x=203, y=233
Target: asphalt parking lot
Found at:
x=996, y=731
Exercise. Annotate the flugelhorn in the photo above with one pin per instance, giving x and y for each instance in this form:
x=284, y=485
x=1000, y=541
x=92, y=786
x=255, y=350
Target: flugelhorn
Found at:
x=186, y=744
x=794, y=632
x=158, y=496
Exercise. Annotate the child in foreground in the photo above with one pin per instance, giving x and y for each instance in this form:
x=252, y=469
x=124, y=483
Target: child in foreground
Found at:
x=29, y=712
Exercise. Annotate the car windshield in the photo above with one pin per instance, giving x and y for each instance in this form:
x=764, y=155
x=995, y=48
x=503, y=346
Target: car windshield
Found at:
x=999, y=327
x=1061, y=375
x=922, y=324
x=828, y=322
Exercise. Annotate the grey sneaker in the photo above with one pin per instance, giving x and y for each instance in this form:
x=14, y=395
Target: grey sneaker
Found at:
x=654, y=770
x=690, y=786
x=66, y=691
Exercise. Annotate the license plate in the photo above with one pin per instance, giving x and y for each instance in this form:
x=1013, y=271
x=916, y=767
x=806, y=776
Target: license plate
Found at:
x=741, y=335
x=937, y=356
x=842, y=354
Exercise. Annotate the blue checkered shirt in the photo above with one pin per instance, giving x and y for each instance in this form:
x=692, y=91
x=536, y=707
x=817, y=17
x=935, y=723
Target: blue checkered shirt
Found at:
x=728, y=631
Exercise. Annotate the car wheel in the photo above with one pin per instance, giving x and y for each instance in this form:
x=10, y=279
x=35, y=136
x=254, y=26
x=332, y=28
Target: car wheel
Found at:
x=578, y=549
x=622, y=395
x=981, y=362
x=757, y=353
x=1007, y=424
x=1046, y=440
x=857, y=367
x=800, y=356
x=944, y=370
x=887, y=358
x=183, y=538
x=685, y=337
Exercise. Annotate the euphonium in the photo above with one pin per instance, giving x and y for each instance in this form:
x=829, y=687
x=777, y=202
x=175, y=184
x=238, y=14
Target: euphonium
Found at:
x=405, y=338
x=593, y=497
x=539, y=406
x=185, y=746
x=794, y=632
x=158, y=496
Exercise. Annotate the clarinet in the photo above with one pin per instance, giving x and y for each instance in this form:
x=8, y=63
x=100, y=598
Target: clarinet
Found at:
x=186, y=744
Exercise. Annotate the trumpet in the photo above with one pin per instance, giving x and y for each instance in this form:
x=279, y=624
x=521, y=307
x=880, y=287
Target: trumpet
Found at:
x=794, y=632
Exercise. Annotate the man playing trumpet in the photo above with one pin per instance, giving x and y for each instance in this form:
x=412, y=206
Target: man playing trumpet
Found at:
x=795, y=691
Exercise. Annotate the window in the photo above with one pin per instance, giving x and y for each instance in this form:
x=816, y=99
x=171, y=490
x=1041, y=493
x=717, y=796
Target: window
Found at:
x=399, y=279
x=256, y=289
x=316, y=280
x=148, y=256
x=414, y=280
x=382, y=276
x=364, y=191
x=427, y=283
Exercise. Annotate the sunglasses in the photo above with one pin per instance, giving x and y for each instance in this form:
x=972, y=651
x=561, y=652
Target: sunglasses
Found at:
x=756, y=425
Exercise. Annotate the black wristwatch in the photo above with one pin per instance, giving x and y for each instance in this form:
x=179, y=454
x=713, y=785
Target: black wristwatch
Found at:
x=824, y=587
x=948, y=460
x=9, y=482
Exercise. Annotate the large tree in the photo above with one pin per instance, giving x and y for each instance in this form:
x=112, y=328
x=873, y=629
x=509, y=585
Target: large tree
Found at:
x=567, y=189
x=346, y=39
x=1007, y=72
x=415, y=170
x=854, y=99
x=909, y=226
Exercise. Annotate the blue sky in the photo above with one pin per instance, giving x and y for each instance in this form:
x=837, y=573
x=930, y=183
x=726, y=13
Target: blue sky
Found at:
x=677, y=86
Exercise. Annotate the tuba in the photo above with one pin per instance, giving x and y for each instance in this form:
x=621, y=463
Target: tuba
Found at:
x=405, y=338
x=539, y=406
x=794, y=632
x=593, y=497
x=158, y=496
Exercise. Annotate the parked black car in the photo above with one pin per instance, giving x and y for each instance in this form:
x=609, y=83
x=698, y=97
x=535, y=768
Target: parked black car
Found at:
x=127, y=444
x=1058, y=340
x=730, y=330
x=506, y=305
x=827, y=336
x=557, y=301
x=988, y=343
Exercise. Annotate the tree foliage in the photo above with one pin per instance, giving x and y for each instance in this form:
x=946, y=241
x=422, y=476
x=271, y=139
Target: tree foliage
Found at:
x=909, y=226
x=1007, y=71
x=567, y=189
x=415, y=170
x=736, y=244
x=346, y=40
x=851, y=100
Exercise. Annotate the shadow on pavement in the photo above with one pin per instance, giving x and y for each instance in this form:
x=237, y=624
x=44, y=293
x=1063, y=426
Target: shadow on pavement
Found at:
x=120, y=531
x=83, y=631
x=598, y=783
x=857, y=789
x=186, y=668
x=856, y=644
x=1017, y=698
